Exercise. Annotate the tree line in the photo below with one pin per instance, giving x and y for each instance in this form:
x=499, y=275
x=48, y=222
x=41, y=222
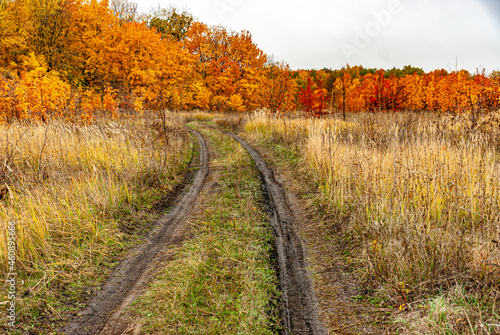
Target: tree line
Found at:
x=71, y=58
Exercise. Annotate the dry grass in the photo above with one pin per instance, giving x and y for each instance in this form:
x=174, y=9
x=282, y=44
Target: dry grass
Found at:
x=415, y=197
x=70, y=185
x=198, y=116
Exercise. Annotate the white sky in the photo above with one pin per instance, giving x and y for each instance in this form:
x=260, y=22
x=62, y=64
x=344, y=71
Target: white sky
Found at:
x=430, y=34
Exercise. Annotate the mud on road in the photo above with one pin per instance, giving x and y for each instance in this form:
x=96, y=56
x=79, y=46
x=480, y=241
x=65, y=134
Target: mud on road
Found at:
x=300, y=312
x=129, y=272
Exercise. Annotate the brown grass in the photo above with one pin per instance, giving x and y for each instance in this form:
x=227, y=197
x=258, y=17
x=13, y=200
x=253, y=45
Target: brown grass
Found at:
x=415, y=197
x=70, y=186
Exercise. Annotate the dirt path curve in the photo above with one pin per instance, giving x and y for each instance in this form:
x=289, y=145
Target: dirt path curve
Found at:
x=128, y=274
x=300, y=312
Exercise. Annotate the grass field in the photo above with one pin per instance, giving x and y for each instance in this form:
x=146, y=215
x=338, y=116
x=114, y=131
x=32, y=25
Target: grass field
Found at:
x=411, y=202
x=74, y=193
x=414, y=199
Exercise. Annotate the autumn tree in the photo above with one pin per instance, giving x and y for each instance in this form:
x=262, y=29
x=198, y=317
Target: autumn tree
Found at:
x=415, y=90
x=301, y=78
x=51, y=20
x=5, y=26
x=478, y=95
x=396, y=96
x=124, y=10
x=230, y=65
x=15, y=30
x=8, y=105
x=386, y=93
x=146, y=67
x=495, y=76
x=333, y=75
x=313, y=98
x=342, y=89
x=111, y=59
x=170, y=22
x=306, y=97
x=278, y=88
x=176, y=84
x=39, y=94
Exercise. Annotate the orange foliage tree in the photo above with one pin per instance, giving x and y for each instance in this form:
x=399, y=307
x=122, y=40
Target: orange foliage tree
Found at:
x=278, y=88
x=229, y=64
x=342, y=93
x=39, y=94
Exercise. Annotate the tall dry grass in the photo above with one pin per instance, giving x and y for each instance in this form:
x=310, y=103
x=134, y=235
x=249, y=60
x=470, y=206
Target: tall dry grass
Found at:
x=198, y=115
x=69, y=185
x=416, y=197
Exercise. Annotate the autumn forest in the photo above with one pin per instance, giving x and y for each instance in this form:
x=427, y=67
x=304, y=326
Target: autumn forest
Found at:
x=68, y=59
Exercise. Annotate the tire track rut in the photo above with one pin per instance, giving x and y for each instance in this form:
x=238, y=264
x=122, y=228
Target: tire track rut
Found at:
x=129, y=272
x=300, y=312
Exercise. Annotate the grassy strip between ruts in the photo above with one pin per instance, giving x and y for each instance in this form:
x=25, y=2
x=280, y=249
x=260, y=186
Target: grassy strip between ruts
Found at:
x=222, y=280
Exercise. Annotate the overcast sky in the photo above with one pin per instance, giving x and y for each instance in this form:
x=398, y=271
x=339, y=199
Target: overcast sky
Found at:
x=431, y=34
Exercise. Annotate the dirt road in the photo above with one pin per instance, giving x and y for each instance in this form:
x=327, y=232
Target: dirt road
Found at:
x=299, y=305
x=300, y=312
x=129, y=273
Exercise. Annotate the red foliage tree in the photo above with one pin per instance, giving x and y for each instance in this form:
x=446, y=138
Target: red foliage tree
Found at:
x=313, y=98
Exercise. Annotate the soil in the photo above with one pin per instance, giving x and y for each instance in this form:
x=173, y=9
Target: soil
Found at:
x=133, y=273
